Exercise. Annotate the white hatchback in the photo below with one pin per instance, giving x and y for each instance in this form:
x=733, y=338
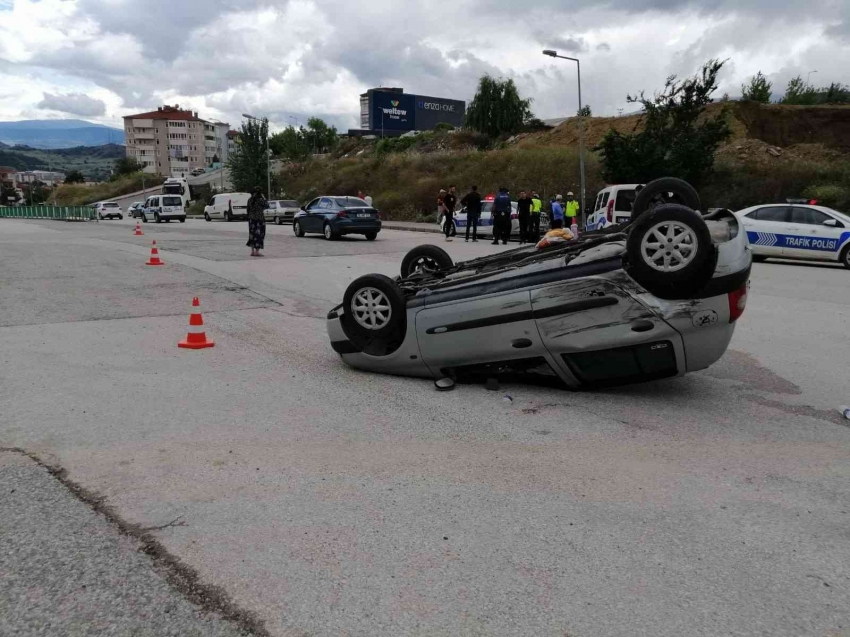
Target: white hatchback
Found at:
x=797, y=231
x=613, y=206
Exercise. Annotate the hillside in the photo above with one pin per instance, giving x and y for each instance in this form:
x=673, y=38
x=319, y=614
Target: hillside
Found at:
x=94, y=162
x=58, y=133
x=775, y=152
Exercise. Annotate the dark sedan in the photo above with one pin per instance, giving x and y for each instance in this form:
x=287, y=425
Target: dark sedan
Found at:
x=337, y=216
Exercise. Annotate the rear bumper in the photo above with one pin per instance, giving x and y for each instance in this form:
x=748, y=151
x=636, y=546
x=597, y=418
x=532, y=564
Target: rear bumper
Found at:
x=353, y=227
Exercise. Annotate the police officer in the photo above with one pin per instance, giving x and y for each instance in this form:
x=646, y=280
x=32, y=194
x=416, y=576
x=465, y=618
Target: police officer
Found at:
x=523, y=210
x=502, y=217
x=572, y=210
x=534, y=222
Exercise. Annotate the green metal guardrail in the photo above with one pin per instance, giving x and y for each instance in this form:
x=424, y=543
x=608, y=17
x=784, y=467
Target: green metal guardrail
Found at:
x=63, y=213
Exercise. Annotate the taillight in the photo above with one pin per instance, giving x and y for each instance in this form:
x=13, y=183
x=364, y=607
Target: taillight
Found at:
x=610, y=212
x=737, y=303
x=342, y=213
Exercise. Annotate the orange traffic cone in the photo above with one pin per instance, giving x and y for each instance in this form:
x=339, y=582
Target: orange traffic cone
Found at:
x=197, y=337
x=154, y=260
x=138, y=231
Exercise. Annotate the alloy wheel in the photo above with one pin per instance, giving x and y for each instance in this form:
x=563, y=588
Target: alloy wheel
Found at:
x=669, y=246
x=371, y=309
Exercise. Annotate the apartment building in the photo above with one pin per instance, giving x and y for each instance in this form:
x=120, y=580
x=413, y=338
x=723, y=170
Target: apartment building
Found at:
x=169, y=141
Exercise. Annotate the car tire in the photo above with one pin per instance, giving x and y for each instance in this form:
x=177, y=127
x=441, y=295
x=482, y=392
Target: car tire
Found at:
x=100, y=216
x=426, y=259
x=297, y=229
x=278, y=221
x=182, y=219
x=845, y=257
x=678, y=275
x=144, y=219
x=667, y=190
x=207, y=216
x=371, y=236
x=329, y=233
x=372, y=330
x=120, y=217
x=156, y=217
x=759, y=258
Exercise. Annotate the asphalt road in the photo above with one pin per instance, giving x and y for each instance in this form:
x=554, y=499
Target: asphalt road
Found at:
x=326, y=501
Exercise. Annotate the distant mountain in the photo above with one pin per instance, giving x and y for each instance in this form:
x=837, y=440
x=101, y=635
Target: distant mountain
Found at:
x=94, y=162
x=58, y=133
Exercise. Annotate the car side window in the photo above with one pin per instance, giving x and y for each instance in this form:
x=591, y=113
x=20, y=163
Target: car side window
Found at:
x=771, y=213
x=605, y=197
x=312, y=205
x=325, y=203
x=808, y=216
x=598, y=203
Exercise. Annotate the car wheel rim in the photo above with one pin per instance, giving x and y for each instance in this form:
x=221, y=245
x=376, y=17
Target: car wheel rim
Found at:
x=296, y=227
x=669, y=246
x=327, y=232
x=425, y=265
x=371, y=309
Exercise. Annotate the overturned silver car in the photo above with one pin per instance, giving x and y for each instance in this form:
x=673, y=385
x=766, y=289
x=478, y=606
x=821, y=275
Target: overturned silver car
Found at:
x=655, y=298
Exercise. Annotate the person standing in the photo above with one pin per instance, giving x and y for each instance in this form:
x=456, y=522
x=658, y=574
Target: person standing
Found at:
x=558, y=212
x=523, y=210
x=256, y=222
x=536, y=207
x=449, y=203
x=572, y=210
x=472, y=202
x=502, y=217
x=368, y=200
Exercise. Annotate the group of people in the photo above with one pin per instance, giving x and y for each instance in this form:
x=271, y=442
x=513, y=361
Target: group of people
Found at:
x=529, y=207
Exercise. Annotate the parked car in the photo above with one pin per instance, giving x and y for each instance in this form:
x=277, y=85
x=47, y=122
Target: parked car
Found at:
x=228, y=206
x=613, y=206
x=797, y=231
x=197, y=171
x=485, y=221
x=654, y=299
x=337, y=216
x=164, y=208
x=281, y=211
x=108, y=210
x=135, y=209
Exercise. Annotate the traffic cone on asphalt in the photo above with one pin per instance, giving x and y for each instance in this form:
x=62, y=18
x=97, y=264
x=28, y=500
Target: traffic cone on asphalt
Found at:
x=197, y=337
x=154, y=260
x=138, y=232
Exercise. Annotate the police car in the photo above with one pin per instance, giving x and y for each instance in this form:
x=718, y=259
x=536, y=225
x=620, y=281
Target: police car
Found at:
x=485, y=221
x=797, y=231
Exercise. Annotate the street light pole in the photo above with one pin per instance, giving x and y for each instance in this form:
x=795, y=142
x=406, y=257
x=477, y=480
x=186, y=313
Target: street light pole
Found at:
x=809, y=76
x=268, y=156
x=554, y=54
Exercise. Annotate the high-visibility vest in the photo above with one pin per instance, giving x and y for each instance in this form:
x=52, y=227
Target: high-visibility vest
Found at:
x=572, y=208
x=536, y=205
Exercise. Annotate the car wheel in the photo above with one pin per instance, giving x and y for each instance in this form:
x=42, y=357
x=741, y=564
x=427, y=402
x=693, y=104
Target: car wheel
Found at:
x=374, y=314
x=845, y=257
x=156, y=217
x=669, y=252
x=207, y=216
x=278, y=221
x=120, y=217
x=329, y=233
x=759, y=258
x=426, y=259
x=371, y=236
x=144, y=219
x=667, y=190
x=297, y=229
x=100, y=216
x=182, y=219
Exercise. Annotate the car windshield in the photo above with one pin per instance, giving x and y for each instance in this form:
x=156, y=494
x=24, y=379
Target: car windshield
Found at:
x=172, y=201
x=110, y=205
x=625, y=199
x=288, y=203
x=173, y=189
x=349, y=202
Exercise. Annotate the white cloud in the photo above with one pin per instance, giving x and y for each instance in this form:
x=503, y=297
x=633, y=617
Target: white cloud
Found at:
x=73, y=103
x=301, y=58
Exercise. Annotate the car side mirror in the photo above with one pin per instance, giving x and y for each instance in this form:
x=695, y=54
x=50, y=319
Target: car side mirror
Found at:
x=832, y=223
x=304, y=209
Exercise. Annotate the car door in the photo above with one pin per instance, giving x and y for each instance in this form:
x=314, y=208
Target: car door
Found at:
x=308, y=221
x=319, y=213
x=809, y=238
x=767, y=228
x=601, y=335
x=481, y=333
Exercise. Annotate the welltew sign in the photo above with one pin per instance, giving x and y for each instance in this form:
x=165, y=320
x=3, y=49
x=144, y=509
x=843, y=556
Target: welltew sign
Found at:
x=393, y=111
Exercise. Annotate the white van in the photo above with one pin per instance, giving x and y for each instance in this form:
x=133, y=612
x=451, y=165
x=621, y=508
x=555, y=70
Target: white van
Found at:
x=613, y=206
x=163, y=208
x=228, y=206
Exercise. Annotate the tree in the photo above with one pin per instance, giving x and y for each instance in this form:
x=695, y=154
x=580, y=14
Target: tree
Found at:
x=248, y=163
x=294, y=143
x=584, y=111
x=758, y=89
x=837, y=94
x=319, y=137
x=8, y=195
x=674, y=142
x=289, y=143
x=126, y=166
x=497, y=109
x=75, y=177
x=800, y=92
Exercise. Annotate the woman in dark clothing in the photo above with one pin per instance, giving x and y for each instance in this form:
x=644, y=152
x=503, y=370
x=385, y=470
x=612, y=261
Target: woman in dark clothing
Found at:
x=256, y=222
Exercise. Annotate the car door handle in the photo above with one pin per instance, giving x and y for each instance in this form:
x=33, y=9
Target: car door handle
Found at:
x=642, y=326
x=521, y=343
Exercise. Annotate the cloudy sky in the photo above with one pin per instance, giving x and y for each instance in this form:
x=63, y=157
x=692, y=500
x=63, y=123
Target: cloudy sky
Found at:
x=102, y=59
